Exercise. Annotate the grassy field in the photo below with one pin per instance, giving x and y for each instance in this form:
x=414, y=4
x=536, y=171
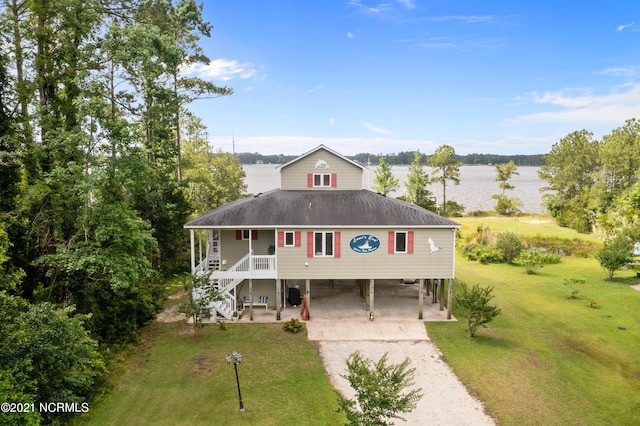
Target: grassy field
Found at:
x=548, y=359
x=545, y=360
x=176, y=378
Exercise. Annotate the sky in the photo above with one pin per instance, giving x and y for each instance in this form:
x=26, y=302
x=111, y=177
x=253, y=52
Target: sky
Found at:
x=385, y=76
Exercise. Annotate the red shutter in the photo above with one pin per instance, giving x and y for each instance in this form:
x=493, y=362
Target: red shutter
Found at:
x=336, y=244
x=392, y=242
x=410, y=242
x=309, y=244
x=280, y=239
x=298, y=237
x=334, y=180
x=254, y=234
x=309, y=180
x=238, y=234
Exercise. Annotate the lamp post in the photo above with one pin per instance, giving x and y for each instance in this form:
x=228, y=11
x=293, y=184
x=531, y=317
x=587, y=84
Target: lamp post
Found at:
x=235, y=358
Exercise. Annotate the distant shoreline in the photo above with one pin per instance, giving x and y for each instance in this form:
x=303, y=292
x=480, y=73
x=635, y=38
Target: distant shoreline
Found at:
x=402, y=159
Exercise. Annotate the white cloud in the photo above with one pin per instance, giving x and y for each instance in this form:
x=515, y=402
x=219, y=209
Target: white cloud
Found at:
x=332, y=121
x=376, y=129
x=222, y=69
x=409, y=4
x=620, y=72
x=584, y=108
x=372, y=10
x=466, y=19
x=625, y=26
x=350, y=35
x=317, y=88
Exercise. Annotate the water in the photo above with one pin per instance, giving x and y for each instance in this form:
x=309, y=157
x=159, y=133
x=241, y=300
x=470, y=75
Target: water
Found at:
x=477, y=185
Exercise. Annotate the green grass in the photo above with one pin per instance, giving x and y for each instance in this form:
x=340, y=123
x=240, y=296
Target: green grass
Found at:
x=548, y=359
x=524, y=225
x=176, y=378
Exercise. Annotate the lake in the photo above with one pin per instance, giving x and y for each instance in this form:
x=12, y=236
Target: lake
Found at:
x=477, y=185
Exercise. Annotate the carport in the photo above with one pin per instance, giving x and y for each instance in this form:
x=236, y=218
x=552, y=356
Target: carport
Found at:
x=335, y=300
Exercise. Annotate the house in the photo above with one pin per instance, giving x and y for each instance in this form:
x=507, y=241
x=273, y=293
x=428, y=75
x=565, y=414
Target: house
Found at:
x=319, y=225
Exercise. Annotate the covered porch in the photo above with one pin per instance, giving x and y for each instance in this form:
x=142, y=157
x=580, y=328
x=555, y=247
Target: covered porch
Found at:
x=344, y=300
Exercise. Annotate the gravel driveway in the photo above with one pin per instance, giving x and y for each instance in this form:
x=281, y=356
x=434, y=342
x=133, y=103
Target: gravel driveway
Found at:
x=445, y=400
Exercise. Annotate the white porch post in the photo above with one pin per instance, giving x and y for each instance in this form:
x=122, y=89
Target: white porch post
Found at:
x=250, y=299
x=251, y=251
x=420, y=297
x=193, y=250
x=307, y=291
x=278, y=297
x=371, y=298
x=450, y=299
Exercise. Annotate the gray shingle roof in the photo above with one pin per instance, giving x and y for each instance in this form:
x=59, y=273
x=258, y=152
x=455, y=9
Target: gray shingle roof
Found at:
x=309, y=208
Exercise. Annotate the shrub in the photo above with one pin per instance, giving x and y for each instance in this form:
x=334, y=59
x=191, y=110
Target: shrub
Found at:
x=573, y=282
x=483, y=254
x=562, y=246
x=293, y=325
x=615, y=254
x=532, y=260
x=454, y=209
x=474, y=303
x=379, y=391
x=509, y=245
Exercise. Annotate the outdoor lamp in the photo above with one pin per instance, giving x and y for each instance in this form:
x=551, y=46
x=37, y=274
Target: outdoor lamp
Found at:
x=236, y=358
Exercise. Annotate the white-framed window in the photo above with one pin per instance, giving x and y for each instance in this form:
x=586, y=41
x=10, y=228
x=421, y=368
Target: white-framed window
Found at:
x=401, y=242
x=322, y=179
x=246, y=234
x=289, y=239
x=323, y=244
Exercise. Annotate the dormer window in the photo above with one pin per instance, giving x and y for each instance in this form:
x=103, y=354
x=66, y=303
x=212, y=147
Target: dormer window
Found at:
x=322, y=179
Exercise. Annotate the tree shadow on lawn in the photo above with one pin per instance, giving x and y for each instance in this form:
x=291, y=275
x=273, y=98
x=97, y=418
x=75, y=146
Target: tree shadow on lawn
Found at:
x=486, y=338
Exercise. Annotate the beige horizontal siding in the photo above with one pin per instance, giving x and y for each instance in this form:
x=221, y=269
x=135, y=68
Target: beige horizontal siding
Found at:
x=294, y=176
x=293, y=262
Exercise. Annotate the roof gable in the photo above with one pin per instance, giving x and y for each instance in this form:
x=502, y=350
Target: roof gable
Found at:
x=318, y=148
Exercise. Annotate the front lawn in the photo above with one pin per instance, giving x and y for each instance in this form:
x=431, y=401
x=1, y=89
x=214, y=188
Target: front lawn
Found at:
x=548, y=359
x=176, y=378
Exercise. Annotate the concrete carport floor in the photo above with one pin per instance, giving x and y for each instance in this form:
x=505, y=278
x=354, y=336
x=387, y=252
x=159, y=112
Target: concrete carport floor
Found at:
x=338, y=312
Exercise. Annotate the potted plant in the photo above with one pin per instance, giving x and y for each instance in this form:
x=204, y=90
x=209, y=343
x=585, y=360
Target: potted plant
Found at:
x=272, y=250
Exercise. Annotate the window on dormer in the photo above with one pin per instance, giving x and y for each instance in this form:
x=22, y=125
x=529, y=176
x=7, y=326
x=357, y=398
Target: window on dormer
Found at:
x=322, y=179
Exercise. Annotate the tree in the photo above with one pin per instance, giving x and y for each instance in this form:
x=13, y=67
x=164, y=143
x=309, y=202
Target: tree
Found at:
x=506, y=205
x=504, y=172
x=416, y=184
x=615, y=254
x=509, y=245
x=212, y=179
x=380, y=390
x=446, y=168
x=384, y=180
x=474, y=302
x=201, y=293
x=52, y=356
x=571, y=169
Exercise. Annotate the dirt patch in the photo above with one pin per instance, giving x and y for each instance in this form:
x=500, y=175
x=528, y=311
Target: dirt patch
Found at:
x=637, y=287
x=202, y=364
x=170, y=312
x=538, y=221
